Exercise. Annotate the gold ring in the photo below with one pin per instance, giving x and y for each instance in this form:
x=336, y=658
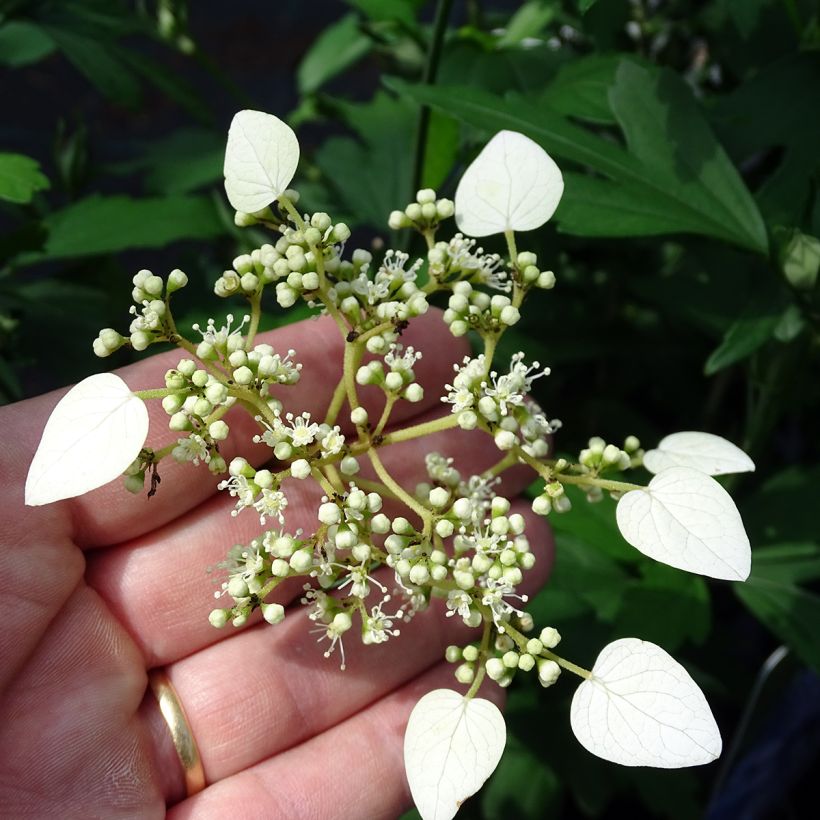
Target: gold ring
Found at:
x=180, y=729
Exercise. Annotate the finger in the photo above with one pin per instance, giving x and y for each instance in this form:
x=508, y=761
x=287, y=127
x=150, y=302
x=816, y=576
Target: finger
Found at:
x=73, y=746
x=157, y=585
x=290, y=691
x=37, y=574
x=353, y=770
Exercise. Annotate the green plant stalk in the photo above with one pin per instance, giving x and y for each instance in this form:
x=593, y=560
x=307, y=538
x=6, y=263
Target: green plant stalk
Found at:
x=419, y=430
x=424, y=514
x=481, y=669
x=428, y=78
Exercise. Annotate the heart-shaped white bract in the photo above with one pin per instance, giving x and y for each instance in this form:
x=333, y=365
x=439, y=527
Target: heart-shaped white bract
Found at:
x=708, y=453
x=260, y=160
x=686, y=519
x=451, y=746
x=642, y=708
x=94, y=433
x=512, y=185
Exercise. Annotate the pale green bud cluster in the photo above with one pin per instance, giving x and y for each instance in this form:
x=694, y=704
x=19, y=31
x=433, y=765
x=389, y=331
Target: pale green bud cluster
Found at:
x=469, y=309
x=553, y=497
x=150, y=322
x=399, y=379
x=424, y=214
x=529, y=275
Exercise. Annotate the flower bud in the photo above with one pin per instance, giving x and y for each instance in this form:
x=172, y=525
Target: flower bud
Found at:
x=300, y=468
x=273, y=613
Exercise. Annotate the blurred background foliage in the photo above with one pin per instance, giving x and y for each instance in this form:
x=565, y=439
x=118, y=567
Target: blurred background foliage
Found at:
x=685, y=249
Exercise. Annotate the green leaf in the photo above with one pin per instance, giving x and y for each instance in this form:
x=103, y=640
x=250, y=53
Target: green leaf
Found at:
x=665, y=129
x=586, y=575
x=334, y=50
x=109, y=224
x=683, y=598
x=185, y=160
x=528, y=21
x=595, y=524
x=776, y=108
x=23, y=43
x=20, y=178
x=99, y=63
x=441, y=150
x=672, y=170
x=585, y=5
x=380, y=11
x=581, y=88
x=772, y=593
x=522, y=786
x=370, y=175
x=784, y=508
x=749, y=332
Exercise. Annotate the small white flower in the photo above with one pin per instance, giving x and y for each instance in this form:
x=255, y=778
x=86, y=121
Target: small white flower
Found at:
x=378, y=627
x=192, y=448
x=494, y=597
x=219, y=338
x=302, y=432
x=333, y=442
x=459, y=602
x=238, y=487
x=271, y=504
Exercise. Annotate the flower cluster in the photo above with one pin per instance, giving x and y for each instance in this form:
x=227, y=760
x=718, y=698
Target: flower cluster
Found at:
x=451, y=536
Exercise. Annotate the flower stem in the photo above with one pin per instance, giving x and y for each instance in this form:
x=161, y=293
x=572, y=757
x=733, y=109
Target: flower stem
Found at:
x=402, y=494
x=336, y=402
x=419, y=430
x=481, y=669
x=428, y=78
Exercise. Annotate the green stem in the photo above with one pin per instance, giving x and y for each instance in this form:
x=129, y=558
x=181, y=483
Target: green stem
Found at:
x=381, y=471
x=352, y=359
x=419, y=430
x=568, y=665
x=581, y=480
x=511, y=249
x=603, y=483
x=374, y=331
x=509, y=460
x=291, y=209
x=490, y=343
x=336, y=403
x=481, y=668
x=256, y=314
x=428, y=78
x=156, y=393
x=335, y=479
x=329, y=489
x=390, y=400
x=521, y=640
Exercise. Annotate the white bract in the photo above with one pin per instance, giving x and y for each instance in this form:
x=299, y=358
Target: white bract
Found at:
x=451, y=746
x=260, y=160
x=96, y=430
x=512, y=185
x=708, y=453
x=686, y=519
x=642, y=708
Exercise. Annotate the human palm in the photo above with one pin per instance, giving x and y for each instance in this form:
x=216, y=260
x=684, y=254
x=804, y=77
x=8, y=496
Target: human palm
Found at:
x=97, y=590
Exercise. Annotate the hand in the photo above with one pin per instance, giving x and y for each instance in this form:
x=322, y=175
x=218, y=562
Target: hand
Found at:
x=97, y=590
